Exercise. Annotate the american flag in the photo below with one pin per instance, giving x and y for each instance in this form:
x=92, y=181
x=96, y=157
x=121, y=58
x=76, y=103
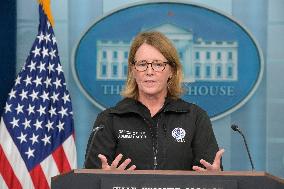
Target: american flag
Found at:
x=36, y=131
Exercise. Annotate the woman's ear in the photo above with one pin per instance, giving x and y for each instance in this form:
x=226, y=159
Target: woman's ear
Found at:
x=132, y=74
x=170, y=77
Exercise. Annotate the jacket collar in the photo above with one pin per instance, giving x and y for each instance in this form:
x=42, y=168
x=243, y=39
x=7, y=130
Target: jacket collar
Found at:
x=129, y=105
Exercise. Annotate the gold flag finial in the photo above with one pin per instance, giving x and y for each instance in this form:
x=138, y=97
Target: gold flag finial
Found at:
x=47, y=10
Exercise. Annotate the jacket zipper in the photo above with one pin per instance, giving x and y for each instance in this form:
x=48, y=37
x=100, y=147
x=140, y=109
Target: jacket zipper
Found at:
x=154, y=144
x=155, y=150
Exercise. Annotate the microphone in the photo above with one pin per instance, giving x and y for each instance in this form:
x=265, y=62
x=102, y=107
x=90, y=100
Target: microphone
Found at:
x=91, y=141
x=237, y=129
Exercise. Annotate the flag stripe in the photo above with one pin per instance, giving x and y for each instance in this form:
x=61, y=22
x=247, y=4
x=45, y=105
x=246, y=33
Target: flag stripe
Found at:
x=61, y=160
x=14, y=157
x=70, y=149
x=3, y=183
x=38, y=177
x=7, y=172
x=49, y=168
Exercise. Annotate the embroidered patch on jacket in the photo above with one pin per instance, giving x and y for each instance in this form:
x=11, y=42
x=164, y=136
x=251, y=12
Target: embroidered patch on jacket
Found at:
x=131, y=134
x=179, y=134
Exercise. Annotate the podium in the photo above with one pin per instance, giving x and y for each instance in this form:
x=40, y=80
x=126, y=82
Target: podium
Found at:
x=164, y=179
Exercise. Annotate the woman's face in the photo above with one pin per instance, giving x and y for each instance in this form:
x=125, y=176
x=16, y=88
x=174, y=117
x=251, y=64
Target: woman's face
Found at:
x=151, y=82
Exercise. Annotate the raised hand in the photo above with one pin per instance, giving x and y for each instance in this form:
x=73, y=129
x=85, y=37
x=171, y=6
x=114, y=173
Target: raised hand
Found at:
x=114, y=164
x=215, y=166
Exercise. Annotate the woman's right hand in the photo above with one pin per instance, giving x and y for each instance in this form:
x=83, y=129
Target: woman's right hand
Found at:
x=114, y=164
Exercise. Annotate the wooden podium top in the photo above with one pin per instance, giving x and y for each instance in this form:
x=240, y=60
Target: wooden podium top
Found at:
x=179, y=172
x=140, y=179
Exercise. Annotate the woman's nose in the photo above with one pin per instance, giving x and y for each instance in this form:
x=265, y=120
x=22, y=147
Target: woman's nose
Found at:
x=149, y=69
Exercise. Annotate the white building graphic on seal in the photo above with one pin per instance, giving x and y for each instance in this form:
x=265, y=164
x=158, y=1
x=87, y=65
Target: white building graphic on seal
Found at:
x=201, y=60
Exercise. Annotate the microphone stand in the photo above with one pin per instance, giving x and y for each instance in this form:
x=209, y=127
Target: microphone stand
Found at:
x=95, y=130
x=236, y=128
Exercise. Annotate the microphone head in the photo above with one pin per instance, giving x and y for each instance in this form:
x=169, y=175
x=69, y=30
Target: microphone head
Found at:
x=235, y=127
x=98, y=128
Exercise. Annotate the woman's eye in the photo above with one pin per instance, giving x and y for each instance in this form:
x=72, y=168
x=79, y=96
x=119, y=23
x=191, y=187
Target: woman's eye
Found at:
x=142, y=65
x=158, y=64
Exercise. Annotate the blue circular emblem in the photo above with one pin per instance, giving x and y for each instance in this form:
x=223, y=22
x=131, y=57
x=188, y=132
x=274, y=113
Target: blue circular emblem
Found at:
x=222, y=63
x=178, y=133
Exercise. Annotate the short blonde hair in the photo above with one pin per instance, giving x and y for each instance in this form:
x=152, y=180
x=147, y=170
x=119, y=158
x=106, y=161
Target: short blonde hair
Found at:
x=167, y=49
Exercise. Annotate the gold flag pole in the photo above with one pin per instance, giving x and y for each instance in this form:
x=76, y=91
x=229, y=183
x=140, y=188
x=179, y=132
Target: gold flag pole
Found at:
x=46, y=8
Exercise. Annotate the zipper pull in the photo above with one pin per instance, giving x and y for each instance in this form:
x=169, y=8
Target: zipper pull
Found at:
x=155, y=162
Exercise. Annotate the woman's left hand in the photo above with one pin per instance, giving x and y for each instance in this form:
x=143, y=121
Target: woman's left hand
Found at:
x=215, y=166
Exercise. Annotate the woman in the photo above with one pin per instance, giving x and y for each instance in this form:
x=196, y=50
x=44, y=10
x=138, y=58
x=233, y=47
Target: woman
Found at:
x=152, y=128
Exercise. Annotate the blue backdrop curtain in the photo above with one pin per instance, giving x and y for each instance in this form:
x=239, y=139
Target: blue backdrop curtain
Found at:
x=7, y=49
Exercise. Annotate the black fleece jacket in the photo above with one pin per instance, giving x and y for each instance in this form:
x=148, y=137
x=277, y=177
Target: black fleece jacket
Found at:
x=176, y=138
